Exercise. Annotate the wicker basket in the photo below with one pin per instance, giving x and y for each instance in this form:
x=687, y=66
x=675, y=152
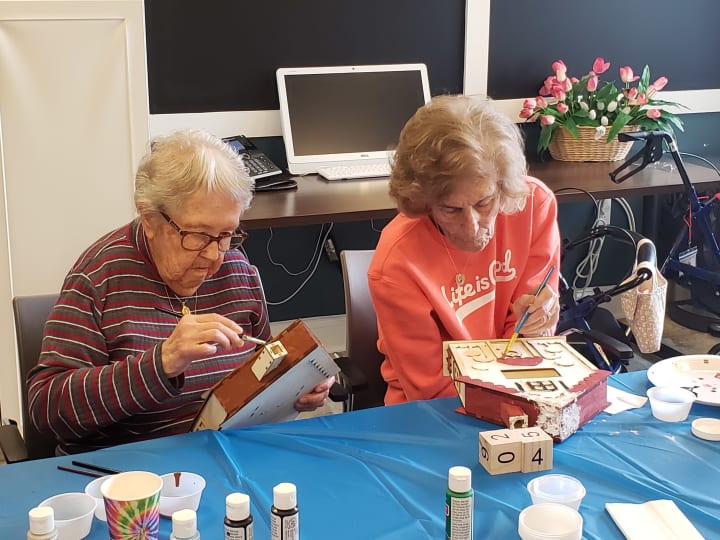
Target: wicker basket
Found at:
x=565, y=147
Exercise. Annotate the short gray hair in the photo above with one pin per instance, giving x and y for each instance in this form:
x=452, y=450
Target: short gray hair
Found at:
x=451, y=137
x=185, y=162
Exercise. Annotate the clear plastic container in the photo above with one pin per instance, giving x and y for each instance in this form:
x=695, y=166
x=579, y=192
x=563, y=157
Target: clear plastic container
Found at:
x=550, y=521
x=557, y=488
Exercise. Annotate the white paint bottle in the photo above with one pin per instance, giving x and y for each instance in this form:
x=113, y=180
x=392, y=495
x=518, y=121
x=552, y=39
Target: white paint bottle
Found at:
x=42, y=524
x=284, y=516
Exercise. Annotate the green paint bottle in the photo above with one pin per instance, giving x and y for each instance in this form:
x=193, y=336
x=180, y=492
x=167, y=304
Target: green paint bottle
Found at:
x=459, y=504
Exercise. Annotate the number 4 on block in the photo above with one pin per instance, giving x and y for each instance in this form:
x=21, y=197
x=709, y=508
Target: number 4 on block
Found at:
x=514, y=450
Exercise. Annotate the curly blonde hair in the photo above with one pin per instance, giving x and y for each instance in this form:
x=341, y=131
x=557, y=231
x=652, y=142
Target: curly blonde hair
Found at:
x=452, y=137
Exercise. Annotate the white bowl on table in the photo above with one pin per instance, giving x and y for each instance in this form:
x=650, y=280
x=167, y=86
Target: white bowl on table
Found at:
x=180, y=491
x=73, y=514
x=93, y=489
x=670, y=403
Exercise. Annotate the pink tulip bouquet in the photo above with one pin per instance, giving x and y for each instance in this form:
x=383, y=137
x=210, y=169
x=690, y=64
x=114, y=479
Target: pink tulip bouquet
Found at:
x=569, y=102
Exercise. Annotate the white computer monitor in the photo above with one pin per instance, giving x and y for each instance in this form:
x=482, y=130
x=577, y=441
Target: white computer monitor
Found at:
x=346, y=115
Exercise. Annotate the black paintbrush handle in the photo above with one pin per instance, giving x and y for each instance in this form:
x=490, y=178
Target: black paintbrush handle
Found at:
x=97, y=468
x=80, y=471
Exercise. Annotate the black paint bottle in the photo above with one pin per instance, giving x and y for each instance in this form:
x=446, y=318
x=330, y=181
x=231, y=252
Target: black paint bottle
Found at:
x=284, y=516
x=238, y=519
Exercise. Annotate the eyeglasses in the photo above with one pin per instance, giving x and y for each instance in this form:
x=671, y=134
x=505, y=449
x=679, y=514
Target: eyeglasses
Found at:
x=197, y=241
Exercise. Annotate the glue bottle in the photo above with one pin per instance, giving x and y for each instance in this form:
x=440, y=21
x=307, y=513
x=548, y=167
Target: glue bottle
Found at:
x=42, y=524
x=238, y=519
x=284, y=518
x=459, y=504
x=184, y=525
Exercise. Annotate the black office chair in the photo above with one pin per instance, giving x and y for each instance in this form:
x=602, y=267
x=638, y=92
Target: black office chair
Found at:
x=31, y=314
x=363, y=385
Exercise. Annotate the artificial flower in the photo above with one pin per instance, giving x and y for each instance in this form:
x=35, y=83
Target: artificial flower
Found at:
x=568, y=102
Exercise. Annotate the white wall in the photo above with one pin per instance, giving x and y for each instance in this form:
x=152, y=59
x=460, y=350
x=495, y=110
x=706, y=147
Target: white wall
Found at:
x=73, y=125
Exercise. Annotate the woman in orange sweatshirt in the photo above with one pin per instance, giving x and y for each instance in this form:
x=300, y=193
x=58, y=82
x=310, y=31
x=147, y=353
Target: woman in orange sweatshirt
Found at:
x=474, y=238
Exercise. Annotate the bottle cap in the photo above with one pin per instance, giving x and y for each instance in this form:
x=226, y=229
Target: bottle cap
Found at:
x=285, y=496
x=184, y=524
x=237, y=506
x=460, y=479
x=42, y=520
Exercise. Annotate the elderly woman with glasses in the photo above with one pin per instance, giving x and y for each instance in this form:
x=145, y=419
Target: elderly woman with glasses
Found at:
x=154, y=313
x=472, y=243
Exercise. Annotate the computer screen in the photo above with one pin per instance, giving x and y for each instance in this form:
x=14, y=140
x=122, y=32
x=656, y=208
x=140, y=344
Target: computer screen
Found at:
x=347, y=114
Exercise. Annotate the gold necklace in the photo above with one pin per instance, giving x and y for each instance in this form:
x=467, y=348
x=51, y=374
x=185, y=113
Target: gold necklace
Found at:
x=184, y=309
x=459, y=276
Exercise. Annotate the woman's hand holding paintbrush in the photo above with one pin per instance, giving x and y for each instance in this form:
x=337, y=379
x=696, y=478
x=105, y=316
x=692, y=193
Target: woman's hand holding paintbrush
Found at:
x=537, y=313
x=199, y=336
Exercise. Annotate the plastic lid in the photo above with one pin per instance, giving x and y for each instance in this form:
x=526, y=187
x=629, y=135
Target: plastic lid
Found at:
x=184, y=524
x=285, y=496
x=42, y=520
x=460, y=479
x=707, y=428
x=237, y=506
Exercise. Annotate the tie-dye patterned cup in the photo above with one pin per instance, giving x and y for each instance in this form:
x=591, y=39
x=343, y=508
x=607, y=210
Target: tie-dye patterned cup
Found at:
x=132, y=505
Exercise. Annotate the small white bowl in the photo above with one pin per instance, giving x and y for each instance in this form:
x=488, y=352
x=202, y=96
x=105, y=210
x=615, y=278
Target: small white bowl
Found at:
x=670, y=403
x=557, y=488
x=550, y=520
x=93, y=489
x=183, y=496
x=73, y=514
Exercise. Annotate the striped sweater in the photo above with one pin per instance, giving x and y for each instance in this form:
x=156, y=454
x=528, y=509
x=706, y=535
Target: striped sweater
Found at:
x=99, y=380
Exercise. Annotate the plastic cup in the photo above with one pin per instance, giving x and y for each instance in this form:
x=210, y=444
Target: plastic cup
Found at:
x=93, y=489
x=557, y=488
x=132, y=505
x=670, y=403
x=550, y=521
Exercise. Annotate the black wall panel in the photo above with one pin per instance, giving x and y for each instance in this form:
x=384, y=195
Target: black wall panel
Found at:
x=221, y=55
x=679, y=40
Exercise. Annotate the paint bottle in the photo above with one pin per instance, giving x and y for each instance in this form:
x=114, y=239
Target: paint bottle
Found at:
x=42, y=524
x=238, y=519
x=184, y=525
x=284, y=516
x=459, y=504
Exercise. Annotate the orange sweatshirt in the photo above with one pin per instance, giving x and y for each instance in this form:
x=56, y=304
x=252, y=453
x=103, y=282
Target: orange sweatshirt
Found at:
x=419, y=305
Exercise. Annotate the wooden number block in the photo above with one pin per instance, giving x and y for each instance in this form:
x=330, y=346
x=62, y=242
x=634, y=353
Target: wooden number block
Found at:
x=537, y=449
x=501, y=451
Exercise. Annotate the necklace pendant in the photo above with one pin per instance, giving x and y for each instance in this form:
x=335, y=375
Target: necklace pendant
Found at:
x=459, y=279
x=185, y=310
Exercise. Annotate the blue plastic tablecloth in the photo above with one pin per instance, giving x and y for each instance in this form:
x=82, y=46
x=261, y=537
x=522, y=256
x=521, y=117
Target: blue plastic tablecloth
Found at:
x=381, y=473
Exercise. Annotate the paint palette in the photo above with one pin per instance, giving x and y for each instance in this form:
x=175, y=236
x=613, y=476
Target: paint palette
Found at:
x=541, y=381
x=699, y=373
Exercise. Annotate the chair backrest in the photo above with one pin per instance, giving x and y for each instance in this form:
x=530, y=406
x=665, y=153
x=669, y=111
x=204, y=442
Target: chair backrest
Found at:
x=31, y=314
x=362, y=333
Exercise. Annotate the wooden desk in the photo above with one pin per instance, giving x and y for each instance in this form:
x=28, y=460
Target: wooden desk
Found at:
x=317, y=201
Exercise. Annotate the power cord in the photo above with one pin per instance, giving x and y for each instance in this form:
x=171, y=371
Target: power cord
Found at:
x=314, y=262
x=586, y=268
x=316, y=252
x=701, y=159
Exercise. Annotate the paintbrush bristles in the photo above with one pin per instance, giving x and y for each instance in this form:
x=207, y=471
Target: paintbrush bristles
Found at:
x=510, y=344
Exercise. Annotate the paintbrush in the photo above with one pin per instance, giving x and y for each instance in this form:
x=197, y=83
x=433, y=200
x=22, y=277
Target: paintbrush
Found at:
x=525, y=315
x=101, y=471
x=244, y=337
